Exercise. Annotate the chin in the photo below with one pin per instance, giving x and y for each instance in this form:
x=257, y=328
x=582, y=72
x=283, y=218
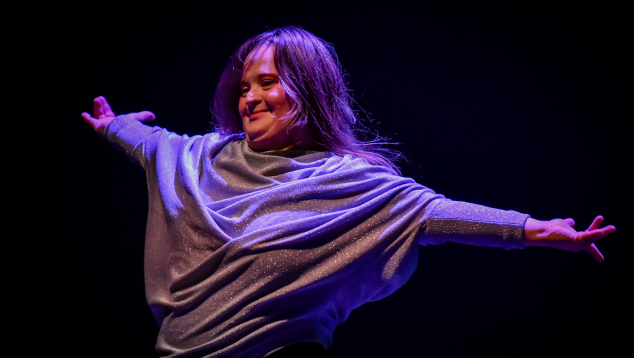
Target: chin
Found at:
x=256, y=142
x=262, y=144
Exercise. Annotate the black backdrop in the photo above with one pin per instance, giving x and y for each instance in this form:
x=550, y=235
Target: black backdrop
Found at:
x=519, y=107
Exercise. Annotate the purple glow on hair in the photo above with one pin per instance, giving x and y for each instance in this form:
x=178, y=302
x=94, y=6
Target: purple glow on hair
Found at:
x=311, y=76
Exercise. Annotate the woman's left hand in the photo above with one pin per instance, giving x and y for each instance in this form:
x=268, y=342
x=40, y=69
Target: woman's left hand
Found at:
x=559, y=234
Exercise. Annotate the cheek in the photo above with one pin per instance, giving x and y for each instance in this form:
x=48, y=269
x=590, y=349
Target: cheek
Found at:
x=276, y=98
x=241, y=106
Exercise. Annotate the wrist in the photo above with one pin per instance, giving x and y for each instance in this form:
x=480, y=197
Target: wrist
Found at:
x=102, y=125
x=532, y=231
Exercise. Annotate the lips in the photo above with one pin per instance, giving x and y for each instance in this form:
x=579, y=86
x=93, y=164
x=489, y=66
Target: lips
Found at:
x=256, y=115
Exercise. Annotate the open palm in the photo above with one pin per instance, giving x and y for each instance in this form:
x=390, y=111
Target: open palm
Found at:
x=560, y=234
x=103, y=115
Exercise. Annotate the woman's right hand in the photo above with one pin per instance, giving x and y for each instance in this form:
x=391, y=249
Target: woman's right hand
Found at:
x=103, y=115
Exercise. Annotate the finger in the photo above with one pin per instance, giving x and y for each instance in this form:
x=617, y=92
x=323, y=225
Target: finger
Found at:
x=97, y=108
x=590, y=237
x=595, y=253
x=103, y=106
x=92, y=122
x=106, y=107
x=596, y=223
x=570, y=222
x=145, y=116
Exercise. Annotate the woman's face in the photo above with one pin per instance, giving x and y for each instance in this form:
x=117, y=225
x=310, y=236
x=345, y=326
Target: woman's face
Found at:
x=263, y=106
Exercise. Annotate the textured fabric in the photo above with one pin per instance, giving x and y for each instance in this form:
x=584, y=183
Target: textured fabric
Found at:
x=247, y=252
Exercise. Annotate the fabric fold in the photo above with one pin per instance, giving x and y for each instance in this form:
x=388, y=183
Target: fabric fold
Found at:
x=265, y=249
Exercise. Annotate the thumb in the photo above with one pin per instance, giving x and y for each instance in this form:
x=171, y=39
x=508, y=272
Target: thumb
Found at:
x=596, y=254
x=88, y=118
x=145, y=116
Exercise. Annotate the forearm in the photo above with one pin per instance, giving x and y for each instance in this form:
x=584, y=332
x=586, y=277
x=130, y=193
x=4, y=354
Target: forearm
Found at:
x=129, y=135
x=474, y=224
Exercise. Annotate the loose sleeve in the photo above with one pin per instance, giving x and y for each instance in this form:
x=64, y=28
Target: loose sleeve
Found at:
x=473, y=224
x=130, y=136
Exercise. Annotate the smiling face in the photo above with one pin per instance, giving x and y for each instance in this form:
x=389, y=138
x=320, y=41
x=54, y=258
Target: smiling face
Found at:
x=263, y=106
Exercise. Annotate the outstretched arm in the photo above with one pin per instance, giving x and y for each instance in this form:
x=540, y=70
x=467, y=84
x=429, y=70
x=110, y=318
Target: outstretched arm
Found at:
x=474, y=224
x=103, y=115
x=559, y=234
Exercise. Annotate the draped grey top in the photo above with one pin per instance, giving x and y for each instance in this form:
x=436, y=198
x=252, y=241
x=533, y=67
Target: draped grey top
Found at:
x=247, y=252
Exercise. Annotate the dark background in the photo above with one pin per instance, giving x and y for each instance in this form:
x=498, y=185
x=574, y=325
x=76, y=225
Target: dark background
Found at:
x=522, y=107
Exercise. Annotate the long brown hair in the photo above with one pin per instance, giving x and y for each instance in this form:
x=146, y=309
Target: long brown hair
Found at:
x=311, y=77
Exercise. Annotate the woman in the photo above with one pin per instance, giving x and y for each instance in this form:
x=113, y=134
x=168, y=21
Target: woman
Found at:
x=264, y=235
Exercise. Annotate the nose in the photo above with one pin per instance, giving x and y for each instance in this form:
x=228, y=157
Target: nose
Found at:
x=252, y=100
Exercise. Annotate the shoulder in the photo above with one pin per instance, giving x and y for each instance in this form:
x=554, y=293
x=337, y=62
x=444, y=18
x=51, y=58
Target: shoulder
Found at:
x=214, y=142
x=356, y=163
